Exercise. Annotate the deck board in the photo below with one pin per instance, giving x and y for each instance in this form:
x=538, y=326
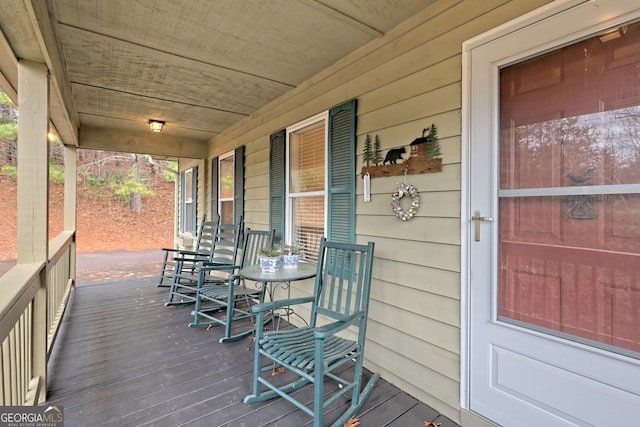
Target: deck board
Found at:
x=124, y=359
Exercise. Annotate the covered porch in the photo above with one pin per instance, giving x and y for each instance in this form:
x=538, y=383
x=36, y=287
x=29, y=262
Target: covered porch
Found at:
x=123, y=358
x=241, y=88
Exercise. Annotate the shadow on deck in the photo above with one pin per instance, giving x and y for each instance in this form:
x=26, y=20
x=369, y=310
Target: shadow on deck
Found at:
x=124, y=359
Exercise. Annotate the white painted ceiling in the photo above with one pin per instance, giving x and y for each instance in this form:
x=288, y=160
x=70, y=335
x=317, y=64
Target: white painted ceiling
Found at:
x=201, y=65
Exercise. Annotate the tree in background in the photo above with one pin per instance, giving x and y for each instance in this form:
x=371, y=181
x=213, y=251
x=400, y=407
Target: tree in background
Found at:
x=8, y=130
x=126, y=175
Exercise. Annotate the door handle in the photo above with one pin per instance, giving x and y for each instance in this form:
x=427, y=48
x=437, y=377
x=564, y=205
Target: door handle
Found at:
x=479, y=218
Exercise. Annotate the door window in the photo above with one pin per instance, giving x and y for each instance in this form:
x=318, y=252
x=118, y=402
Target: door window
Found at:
x=569, y=197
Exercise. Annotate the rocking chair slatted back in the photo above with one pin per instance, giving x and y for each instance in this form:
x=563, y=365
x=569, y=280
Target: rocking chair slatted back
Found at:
x=225, y=247
x=222, y=255
x=254, y=240
x=206, y=237
x=202, y=249
x=341, y=291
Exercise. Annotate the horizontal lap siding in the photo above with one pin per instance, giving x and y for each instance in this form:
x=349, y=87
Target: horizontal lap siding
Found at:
x=403, y=82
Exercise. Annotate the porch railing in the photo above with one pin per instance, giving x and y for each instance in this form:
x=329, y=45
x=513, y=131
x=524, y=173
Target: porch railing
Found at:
x=60, y=280
x=35, y=297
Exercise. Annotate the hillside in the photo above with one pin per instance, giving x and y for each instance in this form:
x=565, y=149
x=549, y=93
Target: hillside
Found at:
x=105, y=223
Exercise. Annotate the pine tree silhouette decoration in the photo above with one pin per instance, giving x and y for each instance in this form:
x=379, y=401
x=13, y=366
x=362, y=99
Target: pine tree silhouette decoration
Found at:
x=376, y=158
x=367, y=154
x=434, y=146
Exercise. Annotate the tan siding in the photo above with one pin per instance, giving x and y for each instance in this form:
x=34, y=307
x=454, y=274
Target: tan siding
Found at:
x=438, y=390
x=446, y=363
x=423, y=277
x=446, y=257
x=437, y=230
x=439, y=75
x=432, y=203
x=256, y=205
x=404, y=82
x=416, y=301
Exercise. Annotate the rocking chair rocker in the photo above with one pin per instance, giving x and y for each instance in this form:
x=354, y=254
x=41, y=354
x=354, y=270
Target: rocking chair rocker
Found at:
x=315, y=352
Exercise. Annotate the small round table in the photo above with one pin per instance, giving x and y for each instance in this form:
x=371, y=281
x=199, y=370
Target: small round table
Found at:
x=282, y=277
x=304, y=271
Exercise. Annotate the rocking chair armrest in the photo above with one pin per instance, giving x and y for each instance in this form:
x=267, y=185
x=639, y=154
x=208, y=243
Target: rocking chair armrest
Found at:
x=333, y=328
x=272, y=305
x=170, y=249
x=212, y=266
x=191, y=256
x=188, y=252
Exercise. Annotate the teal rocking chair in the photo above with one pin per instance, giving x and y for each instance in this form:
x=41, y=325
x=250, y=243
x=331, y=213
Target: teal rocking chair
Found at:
x=201, y=251
x=230, y=301
x=221, y=260
x=333, y=340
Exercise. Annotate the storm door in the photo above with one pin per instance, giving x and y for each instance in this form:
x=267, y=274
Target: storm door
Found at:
x=554, y=242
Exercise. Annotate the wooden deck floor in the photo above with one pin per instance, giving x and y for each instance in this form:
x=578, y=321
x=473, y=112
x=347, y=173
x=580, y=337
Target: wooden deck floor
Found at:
x=123, y=359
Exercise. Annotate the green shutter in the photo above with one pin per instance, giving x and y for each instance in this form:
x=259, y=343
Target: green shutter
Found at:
x=342, y=174
x=277, y=166
x=238, y=185
x=181, y=210
x=214, y=187
x=195, y=189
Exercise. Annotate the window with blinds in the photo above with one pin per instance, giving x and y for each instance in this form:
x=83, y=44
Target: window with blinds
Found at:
x=188, y=195
x=306, y=185
x=226, y=187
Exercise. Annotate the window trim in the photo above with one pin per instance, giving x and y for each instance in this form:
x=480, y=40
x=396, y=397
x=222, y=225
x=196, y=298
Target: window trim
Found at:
x=219, y=199
x=238, y=185
x=194, y=200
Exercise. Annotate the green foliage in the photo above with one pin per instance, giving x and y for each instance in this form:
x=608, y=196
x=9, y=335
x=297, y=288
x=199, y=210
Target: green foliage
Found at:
x=10, y=172
x=126, y=189
x=168, y=175
x=294, y=248
x=8, y=130
x=376, y=158
x=4, y=99
x=433, y=149
x=93, y=181
x=56, y=173
x=117, y=177
x=270, y=251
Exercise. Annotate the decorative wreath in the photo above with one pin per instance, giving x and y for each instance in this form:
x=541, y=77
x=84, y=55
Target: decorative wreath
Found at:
x=402, y=190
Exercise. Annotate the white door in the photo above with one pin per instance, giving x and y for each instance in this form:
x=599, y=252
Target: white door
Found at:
x=553, y=116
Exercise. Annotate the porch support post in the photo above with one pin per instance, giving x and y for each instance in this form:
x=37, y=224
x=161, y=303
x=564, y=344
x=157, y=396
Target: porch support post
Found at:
x=70, y=202
x=33, y=198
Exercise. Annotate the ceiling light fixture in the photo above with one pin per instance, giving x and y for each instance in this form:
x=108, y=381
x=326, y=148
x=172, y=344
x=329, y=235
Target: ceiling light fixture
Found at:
x=156, y=125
